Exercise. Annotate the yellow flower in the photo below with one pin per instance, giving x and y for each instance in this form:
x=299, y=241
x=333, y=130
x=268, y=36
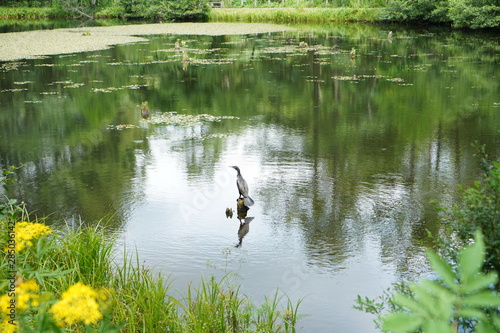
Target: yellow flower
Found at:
x=4, y=304
x=77, y=304
x=26, y=231
x=6, y=327
x=25, y=295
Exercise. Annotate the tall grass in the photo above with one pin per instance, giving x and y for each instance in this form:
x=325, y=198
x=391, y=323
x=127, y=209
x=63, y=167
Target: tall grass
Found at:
x=30, y=12
x=285, y=15
x=142, y=301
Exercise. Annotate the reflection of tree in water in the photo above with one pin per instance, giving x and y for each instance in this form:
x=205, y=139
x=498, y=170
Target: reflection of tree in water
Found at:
x=359, y=197
x=349, y=156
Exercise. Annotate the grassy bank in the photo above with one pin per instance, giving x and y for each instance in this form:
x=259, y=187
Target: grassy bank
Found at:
x=69, y=280
x=278, y=15
x=30, y=13
x=284, y=15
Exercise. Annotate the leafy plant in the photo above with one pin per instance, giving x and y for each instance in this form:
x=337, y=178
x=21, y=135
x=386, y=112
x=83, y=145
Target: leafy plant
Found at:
x=10, y=208
x=181, y=10
x=417, y=10
x=480, y=209
x=475, y=13
x=186, y=10
x=455, y=297
x=460, y=299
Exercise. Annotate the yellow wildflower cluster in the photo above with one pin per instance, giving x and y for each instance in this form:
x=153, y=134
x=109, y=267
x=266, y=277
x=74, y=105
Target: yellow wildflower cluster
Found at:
x=78, y=304
x=26, y=294
x=26, y=231
x=6, y=327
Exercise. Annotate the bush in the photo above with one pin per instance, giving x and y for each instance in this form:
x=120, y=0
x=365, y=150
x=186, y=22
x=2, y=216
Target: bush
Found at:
x=461, y=13
x=475, y=13
x=182, y=10
x=480, y=209
x=417, y=10
x=186, y=10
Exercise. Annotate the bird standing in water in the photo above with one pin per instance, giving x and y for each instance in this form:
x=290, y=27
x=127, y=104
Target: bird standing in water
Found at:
x=242, y=187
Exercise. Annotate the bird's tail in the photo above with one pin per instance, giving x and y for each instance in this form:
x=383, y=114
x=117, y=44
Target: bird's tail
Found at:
x=248, y=201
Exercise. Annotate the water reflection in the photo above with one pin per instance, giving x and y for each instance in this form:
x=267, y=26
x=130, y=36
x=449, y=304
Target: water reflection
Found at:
x=342, y=155
x=244, y=229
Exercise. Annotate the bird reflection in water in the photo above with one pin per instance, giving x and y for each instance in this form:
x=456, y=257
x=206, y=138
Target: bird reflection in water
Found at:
x=244, y=229
x=243, y=203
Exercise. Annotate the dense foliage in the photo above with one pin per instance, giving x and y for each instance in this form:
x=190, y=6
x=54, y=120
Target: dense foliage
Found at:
x=480, y=209
x=181, y=10
x=176, y=10
x=461, y=13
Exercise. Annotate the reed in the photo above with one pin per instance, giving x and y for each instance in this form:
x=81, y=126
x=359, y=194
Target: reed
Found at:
x=292, y=15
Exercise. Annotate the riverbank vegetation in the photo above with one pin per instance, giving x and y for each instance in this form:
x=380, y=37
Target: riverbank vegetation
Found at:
x=457, y=13
x=68, y=280
x=287, y=15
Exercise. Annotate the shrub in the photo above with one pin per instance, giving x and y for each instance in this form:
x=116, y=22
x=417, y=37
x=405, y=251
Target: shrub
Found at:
x=475, y=13
x=182, y=10
x=480, y=209
x=186, y=10
x=417, y=10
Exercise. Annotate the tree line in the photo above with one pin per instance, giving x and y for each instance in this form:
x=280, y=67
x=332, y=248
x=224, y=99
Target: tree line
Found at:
x=458, y=13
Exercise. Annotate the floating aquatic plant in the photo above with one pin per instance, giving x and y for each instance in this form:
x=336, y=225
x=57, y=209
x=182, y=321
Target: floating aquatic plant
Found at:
x=172, y=118
x=111, y=89
x=23, y=82
x=121, y=127
x=13, y=90
x=396, y=79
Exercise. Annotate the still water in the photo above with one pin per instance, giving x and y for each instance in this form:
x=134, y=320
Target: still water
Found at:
x=343, y=142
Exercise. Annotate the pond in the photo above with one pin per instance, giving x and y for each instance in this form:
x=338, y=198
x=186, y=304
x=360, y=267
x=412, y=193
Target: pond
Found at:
x=344, y=136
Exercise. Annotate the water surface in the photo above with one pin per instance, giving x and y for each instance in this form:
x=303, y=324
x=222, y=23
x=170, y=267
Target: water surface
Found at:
x=343, y=150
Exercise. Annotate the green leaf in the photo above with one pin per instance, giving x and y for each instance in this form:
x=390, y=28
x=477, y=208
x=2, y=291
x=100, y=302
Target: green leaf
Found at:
x=401, y=322
x=482, y=299
x=437, y=289
x=443, y=269
x=437, y=327
x=407, y=302
x=496, y=321
x=485, y=327
x=471, y=313
x=479, y=282
x=471, y=259
x=430, y=305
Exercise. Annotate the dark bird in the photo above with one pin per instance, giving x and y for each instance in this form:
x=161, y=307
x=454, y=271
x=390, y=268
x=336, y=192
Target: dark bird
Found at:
x=242, y=187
